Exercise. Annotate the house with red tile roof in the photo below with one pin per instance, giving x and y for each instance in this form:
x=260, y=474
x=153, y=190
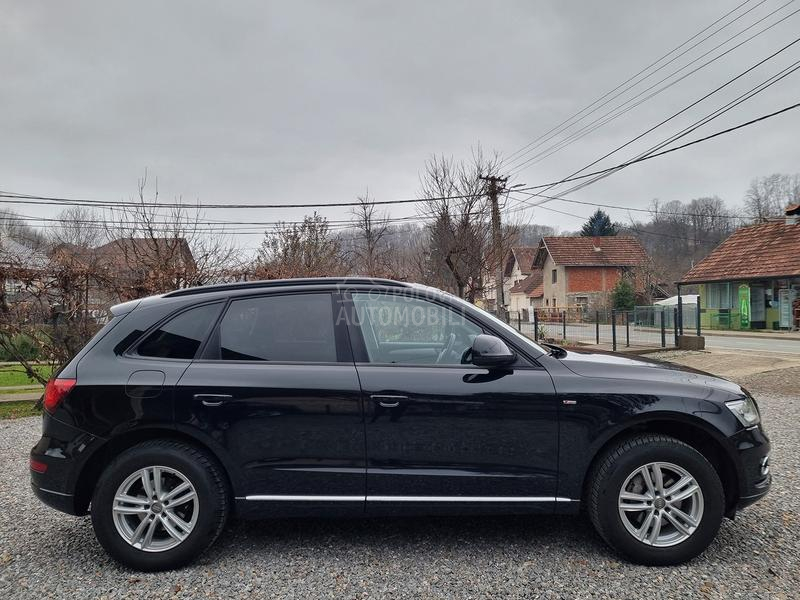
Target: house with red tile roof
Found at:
x=752, y=279
x=527, y=294
x=582, y=271
x=518, y=265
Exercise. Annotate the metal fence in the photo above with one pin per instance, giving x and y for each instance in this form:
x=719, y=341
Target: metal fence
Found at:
x=652, y=326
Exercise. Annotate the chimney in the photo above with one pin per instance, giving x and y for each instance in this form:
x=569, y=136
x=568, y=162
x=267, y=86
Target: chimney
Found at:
x=792, y=214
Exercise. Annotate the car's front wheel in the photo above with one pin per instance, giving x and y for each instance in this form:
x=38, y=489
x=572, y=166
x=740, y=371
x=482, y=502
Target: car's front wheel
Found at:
x=159, y=505
x=656, y=500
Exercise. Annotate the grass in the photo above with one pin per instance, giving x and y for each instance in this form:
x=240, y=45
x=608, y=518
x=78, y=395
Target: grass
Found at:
x=27, y=390
x=18, y=409
x=15, y=375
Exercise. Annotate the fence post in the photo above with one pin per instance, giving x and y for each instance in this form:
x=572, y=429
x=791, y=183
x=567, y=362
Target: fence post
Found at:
x=663, y=330
x=535, y=325
x=697, y=317
x=679, y=322
x=519, y=321
x=614, y=329
x=675, y=324
x=597, y=326
x=627, y=329
x=563, y=325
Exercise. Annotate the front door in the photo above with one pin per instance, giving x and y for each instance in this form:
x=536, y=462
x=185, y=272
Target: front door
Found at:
x=441, y=432
x=277, y=390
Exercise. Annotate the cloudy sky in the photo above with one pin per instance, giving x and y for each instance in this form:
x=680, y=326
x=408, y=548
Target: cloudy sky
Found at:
x=303, y=101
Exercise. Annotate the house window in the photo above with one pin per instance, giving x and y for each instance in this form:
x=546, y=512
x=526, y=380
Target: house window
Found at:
x=554, y=302
x=555, y=275
x=721, y=295
x=547, y=301
x=582, y=301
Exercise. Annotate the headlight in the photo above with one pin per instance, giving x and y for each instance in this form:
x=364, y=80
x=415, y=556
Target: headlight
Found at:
x=745, y=410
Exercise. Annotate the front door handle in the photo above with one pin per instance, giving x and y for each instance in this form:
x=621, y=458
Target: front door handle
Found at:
x=212, y=399
x=388, y=400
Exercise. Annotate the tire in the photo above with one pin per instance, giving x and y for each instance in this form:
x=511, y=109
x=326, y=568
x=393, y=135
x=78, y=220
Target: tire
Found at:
x=668, y=538
x=184, y=525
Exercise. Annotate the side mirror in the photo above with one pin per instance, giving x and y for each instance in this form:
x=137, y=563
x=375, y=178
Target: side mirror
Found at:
x=491, y=351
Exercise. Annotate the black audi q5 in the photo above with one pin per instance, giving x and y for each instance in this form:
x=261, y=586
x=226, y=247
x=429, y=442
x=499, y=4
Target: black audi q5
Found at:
x=363, y=397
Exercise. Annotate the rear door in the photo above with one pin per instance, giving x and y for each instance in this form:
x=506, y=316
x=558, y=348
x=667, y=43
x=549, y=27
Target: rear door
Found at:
x=277, y=389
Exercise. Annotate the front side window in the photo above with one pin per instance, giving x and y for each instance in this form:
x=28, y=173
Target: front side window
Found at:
x=181, y=336
x=555, y=275
x=404, y=330
x=291, y=328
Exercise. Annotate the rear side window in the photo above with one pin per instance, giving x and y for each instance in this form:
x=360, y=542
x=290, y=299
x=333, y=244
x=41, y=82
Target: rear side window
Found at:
x=181, y=336
x=296, y=328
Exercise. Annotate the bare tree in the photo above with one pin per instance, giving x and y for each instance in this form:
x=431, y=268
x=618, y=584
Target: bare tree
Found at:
x=767, y=197
x=461, y=252
x=79, y=226
x=370, y=249
x=307, y=249
x=152, y=250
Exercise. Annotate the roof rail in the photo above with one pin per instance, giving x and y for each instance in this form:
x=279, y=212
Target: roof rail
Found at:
x=270, y=283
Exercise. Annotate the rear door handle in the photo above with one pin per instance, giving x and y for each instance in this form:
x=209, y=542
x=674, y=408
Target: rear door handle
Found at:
x=212, y=399
x=387, y=400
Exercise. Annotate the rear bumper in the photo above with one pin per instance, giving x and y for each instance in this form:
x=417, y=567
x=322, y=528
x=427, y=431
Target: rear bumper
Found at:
x=64, y=450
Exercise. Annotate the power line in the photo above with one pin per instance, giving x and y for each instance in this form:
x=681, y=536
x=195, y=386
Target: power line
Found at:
x=683, y=110
x=637, y=230
x=76, y=202
x=648, y=67
x=603, y=120
x=773, y=79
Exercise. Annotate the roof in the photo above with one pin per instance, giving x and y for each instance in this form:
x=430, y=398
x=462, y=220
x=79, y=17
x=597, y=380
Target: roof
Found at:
x=16, y=255
x=768, y=250
x=523, y=256
x=604, y=251
x=123, y=252
x=530, y=285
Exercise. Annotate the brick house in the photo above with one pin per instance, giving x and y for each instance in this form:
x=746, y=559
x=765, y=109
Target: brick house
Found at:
x=582, y=271
x=752, y=279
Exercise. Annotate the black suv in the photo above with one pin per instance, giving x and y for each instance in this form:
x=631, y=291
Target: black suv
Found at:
x=350, y=397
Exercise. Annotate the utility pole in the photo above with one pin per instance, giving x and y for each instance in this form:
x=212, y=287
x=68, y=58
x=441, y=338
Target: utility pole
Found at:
x=497, y=185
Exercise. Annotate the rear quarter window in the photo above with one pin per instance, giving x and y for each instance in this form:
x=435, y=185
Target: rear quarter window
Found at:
x=181, y=336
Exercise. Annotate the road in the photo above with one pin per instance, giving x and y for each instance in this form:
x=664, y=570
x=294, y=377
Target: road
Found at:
x=644, y=336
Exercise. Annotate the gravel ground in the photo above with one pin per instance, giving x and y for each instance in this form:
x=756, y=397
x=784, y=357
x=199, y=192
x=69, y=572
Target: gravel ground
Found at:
x=44, y=554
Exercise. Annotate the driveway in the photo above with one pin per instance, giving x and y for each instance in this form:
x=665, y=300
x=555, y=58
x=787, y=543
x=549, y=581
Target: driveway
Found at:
x=46, y=554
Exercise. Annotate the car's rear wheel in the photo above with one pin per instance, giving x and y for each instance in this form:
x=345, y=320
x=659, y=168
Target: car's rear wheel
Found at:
x=159, y=505
x=656, y=500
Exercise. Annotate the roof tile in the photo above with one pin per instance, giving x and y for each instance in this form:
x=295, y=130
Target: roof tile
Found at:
x=606, y=251
x=767, y=250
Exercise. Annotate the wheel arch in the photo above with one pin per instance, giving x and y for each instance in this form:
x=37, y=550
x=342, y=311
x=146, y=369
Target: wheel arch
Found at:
x=100, y=459
x=689, y=432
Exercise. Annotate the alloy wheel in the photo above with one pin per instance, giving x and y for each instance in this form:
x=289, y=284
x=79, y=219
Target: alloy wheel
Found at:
x=661, y=504
x=155, y=509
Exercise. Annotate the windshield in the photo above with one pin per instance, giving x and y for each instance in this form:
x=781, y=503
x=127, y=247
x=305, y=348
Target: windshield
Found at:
x=535, y=349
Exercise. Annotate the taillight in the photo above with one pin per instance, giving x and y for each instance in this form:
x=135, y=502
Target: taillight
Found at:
x=56, y=391
x=38, y=466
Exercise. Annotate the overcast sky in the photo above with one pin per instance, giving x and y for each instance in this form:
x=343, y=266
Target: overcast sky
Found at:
x=307, y=101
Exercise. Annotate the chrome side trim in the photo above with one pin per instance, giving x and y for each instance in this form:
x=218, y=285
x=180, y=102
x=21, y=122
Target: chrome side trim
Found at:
x=466, y=499
x=54, y=492
x=282, y=498
x=314, y=498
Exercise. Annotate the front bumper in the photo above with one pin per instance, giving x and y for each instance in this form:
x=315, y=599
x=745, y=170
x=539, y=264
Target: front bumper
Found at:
x=753, y=447
x=64, y=450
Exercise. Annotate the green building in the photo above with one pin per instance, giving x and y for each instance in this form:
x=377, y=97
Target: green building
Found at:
x=752, y=279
